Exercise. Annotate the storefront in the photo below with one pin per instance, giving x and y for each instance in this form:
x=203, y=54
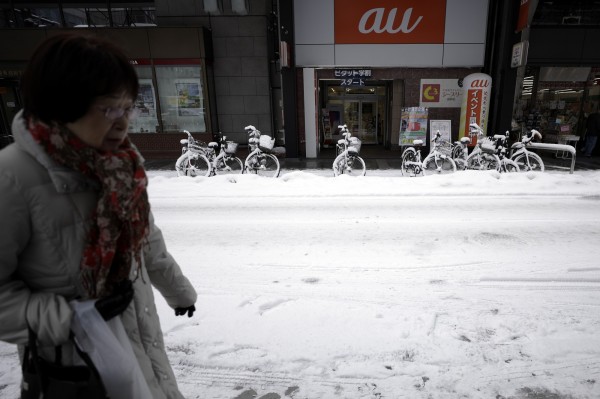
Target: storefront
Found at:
x=173, y=92
x=557, y=100
x=561, y=76
x=360, y=63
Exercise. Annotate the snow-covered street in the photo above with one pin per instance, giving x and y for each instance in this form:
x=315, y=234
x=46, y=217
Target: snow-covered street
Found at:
x=471, y=285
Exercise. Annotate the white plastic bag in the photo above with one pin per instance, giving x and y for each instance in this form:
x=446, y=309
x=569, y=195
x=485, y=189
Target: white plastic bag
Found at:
x=108, y=346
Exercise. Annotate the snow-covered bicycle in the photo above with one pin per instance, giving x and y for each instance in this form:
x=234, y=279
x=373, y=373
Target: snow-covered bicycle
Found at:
x=439, y=160
x=411, y=160
x=528, y=161
x=259, y=161
x=483, y=156
x=501, y=145
x=198, y=159
x=347, y=161
x=460, y=152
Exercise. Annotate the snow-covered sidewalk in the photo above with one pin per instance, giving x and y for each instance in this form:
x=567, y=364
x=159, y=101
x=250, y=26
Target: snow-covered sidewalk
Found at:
x=471, y=285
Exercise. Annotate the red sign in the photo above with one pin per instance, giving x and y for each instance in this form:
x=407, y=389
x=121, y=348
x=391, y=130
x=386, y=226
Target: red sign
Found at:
x=389, y=21
x=474, y=106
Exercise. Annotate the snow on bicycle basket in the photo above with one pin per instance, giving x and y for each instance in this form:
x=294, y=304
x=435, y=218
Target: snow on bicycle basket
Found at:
x=266, y=143
x=444, y=148
x=354, y=144
x=487, y=144
x=231, y=147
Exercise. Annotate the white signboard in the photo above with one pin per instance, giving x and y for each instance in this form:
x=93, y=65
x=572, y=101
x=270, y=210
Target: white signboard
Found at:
x=519, y=54
x=440, y=93
x=443, y=126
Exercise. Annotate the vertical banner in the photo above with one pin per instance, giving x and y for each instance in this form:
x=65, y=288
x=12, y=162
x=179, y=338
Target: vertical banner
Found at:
x=413, y=125
x=476, y=102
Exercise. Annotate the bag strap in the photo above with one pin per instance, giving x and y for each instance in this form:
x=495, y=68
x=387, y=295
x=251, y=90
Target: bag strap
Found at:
x=31, y=352
x=87, y=360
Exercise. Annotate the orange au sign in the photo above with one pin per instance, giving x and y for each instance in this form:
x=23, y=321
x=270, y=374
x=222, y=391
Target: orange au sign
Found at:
x=389, y=21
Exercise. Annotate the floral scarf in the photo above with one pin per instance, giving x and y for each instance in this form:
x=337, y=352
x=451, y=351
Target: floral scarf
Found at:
x=119, y=223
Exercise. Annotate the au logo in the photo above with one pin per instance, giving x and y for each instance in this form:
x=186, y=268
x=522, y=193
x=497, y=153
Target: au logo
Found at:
x=431, y=93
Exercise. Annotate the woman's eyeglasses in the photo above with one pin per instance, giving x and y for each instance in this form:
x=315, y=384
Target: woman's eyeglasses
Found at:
x=116, y=113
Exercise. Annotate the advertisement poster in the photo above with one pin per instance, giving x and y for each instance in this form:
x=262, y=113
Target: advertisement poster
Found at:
x=188, y=98
x=145, y=101
x=443, y=126
x=413, y=125
x=440, y=93
x=475, y=105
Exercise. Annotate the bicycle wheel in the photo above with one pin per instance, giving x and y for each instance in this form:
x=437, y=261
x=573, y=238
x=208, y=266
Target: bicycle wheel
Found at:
x=509, y=166
x=535, y=163
x=438, y=165
x=483, y=162
x=192, y=165
x=338, y=164
x=262, y=164
x=355, y=166
x=409, y=166
x=461, y=164
x=230, y=165
x=457, y=152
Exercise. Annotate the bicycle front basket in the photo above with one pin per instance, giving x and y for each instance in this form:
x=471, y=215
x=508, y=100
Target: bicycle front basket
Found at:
x=265, y=142
x=487, y=144
x=354, y=144
x=444, y=148
x=231, y=147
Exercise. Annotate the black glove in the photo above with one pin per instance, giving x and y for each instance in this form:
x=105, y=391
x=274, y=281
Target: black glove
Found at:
x=189, y=310
x=117, y=302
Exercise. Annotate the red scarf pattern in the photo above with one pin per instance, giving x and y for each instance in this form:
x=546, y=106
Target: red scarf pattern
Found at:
x=119, y=224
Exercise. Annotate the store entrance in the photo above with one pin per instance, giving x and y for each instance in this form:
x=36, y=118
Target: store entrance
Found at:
x=364, y=109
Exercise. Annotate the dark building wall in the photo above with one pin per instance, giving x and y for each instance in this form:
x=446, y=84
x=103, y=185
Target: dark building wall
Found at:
x=572, y=46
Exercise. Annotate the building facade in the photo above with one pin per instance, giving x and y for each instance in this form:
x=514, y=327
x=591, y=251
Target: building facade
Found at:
x=296, y=69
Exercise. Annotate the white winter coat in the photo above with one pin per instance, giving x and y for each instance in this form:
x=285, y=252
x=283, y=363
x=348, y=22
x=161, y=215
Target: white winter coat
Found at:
x=43, y=212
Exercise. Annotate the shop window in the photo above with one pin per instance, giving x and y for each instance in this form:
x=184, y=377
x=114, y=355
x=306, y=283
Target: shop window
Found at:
x=147, y=121
x=75, y=17
x=25, y=17
x=566, y=12
x=181, y=96
x=555, y=100
x=133, y=17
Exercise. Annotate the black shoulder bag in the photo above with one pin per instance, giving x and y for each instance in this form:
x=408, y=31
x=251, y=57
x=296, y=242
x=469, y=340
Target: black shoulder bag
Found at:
x=52, y=380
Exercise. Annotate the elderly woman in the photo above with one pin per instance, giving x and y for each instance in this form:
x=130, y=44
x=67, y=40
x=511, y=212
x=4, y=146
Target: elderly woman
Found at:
x=76, y=222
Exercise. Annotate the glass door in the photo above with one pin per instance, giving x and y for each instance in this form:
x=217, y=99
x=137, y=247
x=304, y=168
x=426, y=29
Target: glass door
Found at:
x=362, y=108
x=361, y=118
x=368, y=117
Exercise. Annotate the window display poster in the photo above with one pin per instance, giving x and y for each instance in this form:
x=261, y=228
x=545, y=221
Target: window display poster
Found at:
x=443, y=126
x=145, y=101
x=188, y=99
x=413, y=125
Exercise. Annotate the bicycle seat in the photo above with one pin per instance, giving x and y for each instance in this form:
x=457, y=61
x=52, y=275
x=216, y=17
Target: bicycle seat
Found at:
x=465, y=140
x=341, y=141
x=212, y=144
x=418, y=142
x=183, y=141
